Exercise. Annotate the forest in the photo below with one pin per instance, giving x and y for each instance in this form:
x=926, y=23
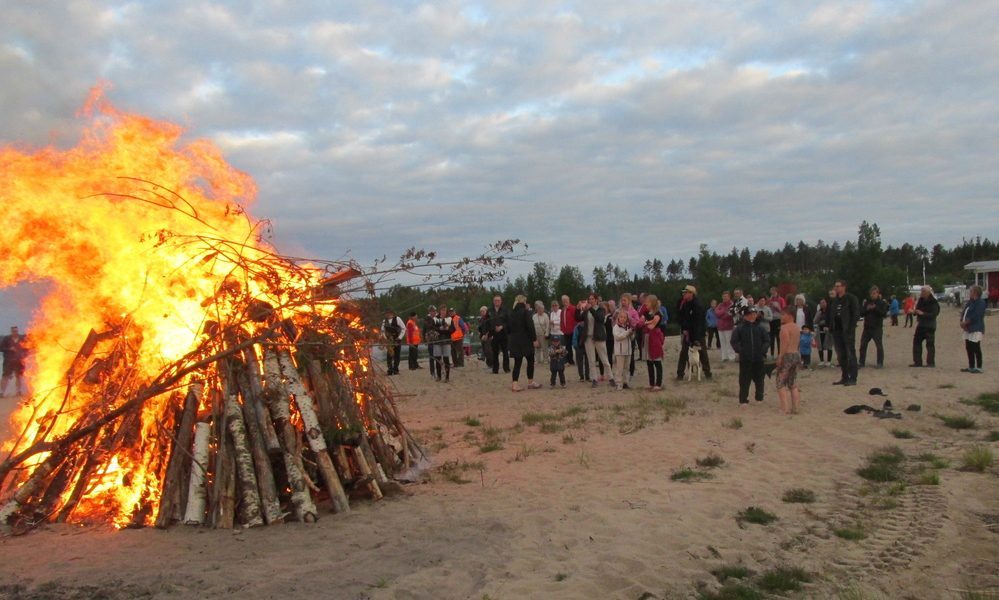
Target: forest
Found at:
x=801, y=267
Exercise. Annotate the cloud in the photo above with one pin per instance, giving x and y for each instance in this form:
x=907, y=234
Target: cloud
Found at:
x=594, y=132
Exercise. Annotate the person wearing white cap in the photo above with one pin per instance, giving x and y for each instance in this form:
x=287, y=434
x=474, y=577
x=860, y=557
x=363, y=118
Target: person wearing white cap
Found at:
x=690, y=316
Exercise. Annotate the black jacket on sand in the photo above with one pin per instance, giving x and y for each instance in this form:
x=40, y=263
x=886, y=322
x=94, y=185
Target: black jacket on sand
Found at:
x=751, y=341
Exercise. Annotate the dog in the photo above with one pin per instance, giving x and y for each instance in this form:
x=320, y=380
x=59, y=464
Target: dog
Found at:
x=693, y=362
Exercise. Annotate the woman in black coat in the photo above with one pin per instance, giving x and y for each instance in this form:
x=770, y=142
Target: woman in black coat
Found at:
x=522, y=340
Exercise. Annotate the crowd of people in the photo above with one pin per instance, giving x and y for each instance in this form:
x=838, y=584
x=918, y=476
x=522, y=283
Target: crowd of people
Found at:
x=604, y=339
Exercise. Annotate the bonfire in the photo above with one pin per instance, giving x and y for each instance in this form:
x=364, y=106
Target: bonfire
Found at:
x=181, y=370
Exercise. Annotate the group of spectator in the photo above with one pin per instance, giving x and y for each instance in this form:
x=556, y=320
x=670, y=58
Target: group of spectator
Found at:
x=604, y=339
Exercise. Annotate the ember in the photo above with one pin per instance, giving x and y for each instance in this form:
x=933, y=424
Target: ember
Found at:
x=181, y=370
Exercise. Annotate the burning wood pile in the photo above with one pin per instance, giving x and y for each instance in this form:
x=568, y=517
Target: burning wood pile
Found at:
x=181, y=371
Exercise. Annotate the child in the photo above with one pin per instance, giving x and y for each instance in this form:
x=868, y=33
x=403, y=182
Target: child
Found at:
x=556, y=360
x=788, y=363
x=808, y=341
x=623, y=335
x=751, y=341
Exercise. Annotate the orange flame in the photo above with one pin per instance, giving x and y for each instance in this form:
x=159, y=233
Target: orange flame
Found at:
x=116, y=248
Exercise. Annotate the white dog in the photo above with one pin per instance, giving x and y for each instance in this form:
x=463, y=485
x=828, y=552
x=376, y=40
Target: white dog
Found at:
x=693, y=362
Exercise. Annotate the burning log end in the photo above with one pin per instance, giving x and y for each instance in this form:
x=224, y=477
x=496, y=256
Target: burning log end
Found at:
x=259, y=311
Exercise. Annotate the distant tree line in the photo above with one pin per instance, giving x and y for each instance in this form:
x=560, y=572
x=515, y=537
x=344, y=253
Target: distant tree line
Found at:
x=805, y=268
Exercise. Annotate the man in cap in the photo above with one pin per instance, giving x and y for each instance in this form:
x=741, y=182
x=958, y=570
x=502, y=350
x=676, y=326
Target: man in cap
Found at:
x=690, y=316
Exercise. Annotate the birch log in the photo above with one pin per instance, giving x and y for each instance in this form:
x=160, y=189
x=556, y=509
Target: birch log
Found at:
x=249, y=496
x=313, y=433
x=362, y=463
x=276, y=396
x=170, y=499
x=197, y=491
x=258, y=400
x=270, y=507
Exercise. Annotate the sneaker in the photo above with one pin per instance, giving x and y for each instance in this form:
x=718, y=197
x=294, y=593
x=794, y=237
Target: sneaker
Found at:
x=625, y=386
x=851, y=382
x=840, y=382
x=563, y=386
x=967, y=370
x=915, y=366
x=976, y=371
x=593, y=383
x=612, y=383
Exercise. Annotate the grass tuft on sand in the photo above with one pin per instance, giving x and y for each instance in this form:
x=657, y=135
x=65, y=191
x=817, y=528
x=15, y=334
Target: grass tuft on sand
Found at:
x=686, y=474
x=798, y=496
x=783, y=579
x=733, y=423
x=710, y=461
x=902, y=434
x=978, y=458
x=884, y=465
x=935, y=461
x=855, y=533
x=988, y=402
x=957, y=421
x=756, y=516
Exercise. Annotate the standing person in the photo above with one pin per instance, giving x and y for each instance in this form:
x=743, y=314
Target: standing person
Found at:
x=591, y=315
x=556, y=360
x=909, y=308
x=803, y=313
x=623, y=335
x=582, y=366
x=927, y=309
x=711, y=322
x=413, y=340
x=739, y=301
x=777, y=305
x=14, y=353
x=824, y=337
x=499, y=319
x=875, y=310
x=628, y=306
x=567, y=323
x=394, y=332
x=543, y=330
x=788, y=363
x=652, y=341
x=973, y=328
x=751, y=340
x=555, y=321
x=690, y=316
x=805, y=346
x=430, y=336
x=894, y=308
x=458, y=332
x=485, y=336
x=726, y=323
x=844, y=312
x=523, y=340
x=610, y=309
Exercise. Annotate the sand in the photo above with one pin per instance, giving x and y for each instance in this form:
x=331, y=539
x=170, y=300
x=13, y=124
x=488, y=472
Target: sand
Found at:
x=587, y=508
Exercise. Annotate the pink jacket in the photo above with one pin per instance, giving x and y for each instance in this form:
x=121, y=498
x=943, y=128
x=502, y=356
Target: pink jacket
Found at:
x=725, y=320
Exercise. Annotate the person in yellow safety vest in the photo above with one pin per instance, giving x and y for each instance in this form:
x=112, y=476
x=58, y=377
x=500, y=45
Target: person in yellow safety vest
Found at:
x=458, y=331
x=413, y=340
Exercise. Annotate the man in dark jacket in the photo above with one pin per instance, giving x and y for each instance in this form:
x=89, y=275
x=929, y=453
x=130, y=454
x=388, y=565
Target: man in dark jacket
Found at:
x=593, y=335
x=499, y=319
x=751, y=341
x=690, y=316
x=844, y=312
x=927, y=310
x=875, y=311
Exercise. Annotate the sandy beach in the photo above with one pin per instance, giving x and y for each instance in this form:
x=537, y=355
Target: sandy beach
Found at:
x=568, y=494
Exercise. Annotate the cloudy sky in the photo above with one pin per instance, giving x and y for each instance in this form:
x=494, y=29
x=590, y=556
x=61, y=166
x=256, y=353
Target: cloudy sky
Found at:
x=594, y=131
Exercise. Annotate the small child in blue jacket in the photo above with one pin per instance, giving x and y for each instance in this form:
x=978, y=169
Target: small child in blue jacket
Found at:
x=805, y=347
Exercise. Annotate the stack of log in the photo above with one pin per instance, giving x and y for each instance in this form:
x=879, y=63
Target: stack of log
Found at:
x=282, y=424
